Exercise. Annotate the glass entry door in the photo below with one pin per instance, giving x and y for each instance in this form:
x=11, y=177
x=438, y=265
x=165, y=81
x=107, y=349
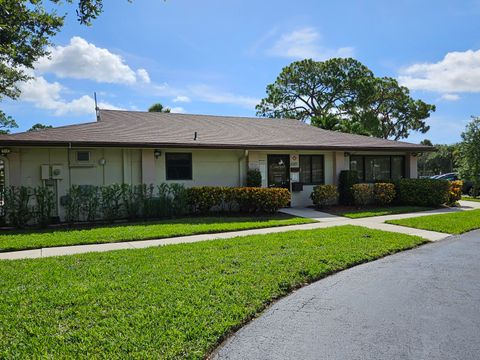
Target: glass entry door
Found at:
x=279, y=171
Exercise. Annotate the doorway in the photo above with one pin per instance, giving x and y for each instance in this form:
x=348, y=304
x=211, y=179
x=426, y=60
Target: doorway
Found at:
x=279, y=171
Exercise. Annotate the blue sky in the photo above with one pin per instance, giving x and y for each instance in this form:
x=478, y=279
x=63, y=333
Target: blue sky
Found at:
x=216, y=57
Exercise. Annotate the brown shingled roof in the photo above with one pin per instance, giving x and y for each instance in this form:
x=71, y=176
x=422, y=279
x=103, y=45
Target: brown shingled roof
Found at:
x=145, y=129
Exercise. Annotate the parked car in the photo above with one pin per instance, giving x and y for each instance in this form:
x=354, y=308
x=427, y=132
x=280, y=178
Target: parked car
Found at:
x=467, y=185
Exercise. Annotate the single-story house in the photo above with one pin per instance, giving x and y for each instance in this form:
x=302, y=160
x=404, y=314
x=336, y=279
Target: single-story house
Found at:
x=142, y=147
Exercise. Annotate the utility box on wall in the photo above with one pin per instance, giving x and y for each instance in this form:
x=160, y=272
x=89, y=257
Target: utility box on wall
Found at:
x=45, y=172
x=57, y=172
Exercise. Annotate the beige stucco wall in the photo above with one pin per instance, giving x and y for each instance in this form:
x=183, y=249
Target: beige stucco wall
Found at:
x=134, y=166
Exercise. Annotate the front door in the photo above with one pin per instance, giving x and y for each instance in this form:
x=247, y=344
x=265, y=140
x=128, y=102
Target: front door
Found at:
x=279, y=171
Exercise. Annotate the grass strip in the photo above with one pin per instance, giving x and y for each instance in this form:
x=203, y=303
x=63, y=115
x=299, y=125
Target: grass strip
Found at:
x=168, y=302
x=453, y=223
x=141, y=231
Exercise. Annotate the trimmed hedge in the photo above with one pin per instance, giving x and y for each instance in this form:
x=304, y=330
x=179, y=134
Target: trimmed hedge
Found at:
x=324, y=195
x=423, y=192
x=362, y=194
x=384, y=193
x=346, y=179
x=203, y=199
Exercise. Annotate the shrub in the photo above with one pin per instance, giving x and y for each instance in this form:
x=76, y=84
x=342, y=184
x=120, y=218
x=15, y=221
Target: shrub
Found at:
x=324, y=195
x=423, y=192
x=475, y=190
x=455, y=192
x=17, y=208
x=90, y=200
x=44, y=205
x=267, y=200
x=384, y=193
x=111, y=202
x=203, y=198
x=346, y=180
x=72, y=204
x=362, y=194
x=254, y=178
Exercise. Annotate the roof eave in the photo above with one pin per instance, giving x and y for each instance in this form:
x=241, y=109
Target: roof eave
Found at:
x=37, y=143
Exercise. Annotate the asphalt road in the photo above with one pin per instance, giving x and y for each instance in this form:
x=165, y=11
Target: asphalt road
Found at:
x=419, y=304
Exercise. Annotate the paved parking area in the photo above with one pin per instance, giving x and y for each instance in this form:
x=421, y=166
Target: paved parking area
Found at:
x=419, y=304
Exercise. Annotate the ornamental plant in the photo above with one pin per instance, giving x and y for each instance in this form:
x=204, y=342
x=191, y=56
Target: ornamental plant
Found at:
x=362, y=194
x=384, y=193
x=254, y=178
x=455, y=192
x=324, y=195
x=346, y=180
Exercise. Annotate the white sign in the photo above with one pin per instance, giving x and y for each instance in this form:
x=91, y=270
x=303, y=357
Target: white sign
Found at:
x=294, y=161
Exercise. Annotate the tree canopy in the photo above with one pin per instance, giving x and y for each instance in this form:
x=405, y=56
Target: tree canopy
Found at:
x=6, y=123
x=25, y=32
x=158, y=108
x=469, y=151
x=343, y=94
x=39, y=126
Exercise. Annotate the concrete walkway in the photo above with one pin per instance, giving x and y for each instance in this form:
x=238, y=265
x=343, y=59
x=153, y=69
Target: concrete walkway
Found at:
x=325, y=221
x=418, y=304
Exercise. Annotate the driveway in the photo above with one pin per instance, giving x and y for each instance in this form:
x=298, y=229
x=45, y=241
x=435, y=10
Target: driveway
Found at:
x=419, y=304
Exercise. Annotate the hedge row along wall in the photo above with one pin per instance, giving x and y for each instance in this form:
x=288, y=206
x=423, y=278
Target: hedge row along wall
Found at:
x=26, y=205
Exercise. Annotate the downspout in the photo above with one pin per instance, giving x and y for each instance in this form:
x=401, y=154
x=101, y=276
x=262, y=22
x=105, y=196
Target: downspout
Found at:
x=69, y=167
x=243, y=157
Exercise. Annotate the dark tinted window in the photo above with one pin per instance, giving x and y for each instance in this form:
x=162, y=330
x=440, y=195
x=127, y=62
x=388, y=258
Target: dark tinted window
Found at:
x=373, y=168
x=312, y=169
x=178, y=166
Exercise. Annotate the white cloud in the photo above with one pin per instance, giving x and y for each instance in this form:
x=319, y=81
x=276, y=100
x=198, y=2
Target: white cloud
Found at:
x=457, y=72
x=209, y=94
x=450, y=97
x=143, y=76
x=182, y=98
x=177, y=110
x=46, y=95
x=83, y=60
x=305, y=43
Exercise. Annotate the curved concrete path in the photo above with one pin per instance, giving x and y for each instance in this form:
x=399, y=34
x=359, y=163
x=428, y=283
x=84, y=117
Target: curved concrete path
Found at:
x=419, y=304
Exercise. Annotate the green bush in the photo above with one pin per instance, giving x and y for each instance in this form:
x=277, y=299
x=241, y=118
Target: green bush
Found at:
x=17, y=207
x=268, y=200
x=204, y=199
x=362, y=194
x=324, y=195
x=27, y=205
x=44, y=205
x=423, y=192
x=254, y=178
x=111, y=202
x=384, y=193
x=346, y=180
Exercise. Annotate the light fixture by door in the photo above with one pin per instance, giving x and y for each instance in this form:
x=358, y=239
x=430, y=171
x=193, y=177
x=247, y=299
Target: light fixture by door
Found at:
x=157, y=153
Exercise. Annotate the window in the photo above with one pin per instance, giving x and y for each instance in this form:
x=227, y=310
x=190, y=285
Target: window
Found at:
x=311, y=169
x=178, y=166
x=378, y=167
x=83, y=156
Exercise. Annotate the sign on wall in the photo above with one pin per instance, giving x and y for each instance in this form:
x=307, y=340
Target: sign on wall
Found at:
x=294, y=161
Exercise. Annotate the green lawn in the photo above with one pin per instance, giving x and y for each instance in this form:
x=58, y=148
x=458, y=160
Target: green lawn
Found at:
x=168, y=302
x=379, y=211
x=469, y=198
x=142, y=231
x=454, y=223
